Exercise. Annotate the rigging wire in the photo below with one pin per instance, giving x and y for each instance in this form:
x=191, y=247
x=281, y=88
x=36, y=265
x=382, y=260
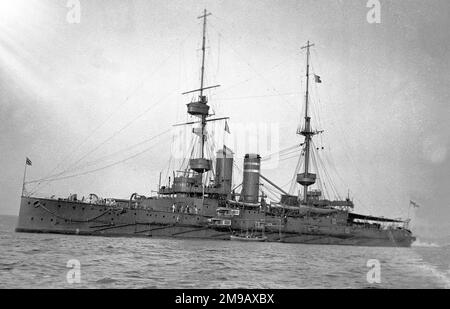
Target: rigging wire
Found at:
x=294, y=183
x=72, y=166
x=321, y=181
x=344, y=138
x=109, y=155
x=283, y=151
x=270, y=191
x=160, y=101
x=253, y=69
x=332, y=183
x=350, y=158
x=259, y=96
x=101, y=168
x=128, y=97
x=235, y=30
x=288, y=158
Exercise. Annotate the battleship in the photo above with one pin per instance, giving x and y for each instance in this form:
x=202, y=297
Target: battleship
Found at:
x=201, y=201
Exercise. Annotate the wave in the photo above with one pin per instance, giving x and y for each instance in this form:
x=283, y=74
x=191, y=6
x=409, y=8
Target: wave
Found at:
x=425, y=244
x=8, y=266
x=106, y=280
x=443, y=277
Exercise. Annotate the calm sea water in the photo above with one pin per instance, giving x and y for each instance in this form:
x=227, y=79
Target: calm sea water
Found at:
x=40, y=261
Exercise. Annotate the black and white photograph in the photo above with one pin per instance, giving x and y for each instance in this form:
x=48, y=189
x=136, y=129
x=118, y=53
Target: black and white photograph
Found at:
x=224, y=145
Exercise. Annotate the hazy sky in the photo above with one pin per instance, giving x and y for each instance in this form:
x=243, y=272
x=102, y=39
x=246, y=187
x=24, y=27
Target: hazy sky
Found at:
x=79, y=93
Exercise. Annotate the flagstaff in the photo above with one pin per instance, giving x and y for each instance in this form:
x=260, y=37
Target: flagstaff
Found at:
x=27, y=162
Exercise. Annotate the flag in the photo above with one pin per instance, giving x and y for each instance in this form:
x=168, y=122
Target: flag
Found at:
x=414, y=204
x=317, y=78
x=28, y=162
x=227, y=128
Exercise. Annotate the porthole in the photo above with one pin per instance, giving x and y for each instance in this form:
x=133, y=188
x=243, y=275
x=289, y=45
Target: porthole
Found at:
x=42, y=219
x=31, y=218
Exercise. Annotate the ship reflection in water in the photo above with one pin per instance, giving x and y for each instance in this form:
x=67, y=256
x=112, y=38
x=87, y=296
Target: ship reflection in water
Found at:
x=39, y=261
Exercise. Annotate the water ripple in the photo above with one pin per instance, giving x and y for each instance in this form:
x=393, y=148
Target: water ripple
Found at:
x=40, y=261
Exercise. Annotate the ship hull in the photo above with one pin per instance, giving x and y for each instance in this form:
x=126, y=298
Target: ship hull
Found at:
x=75, y=218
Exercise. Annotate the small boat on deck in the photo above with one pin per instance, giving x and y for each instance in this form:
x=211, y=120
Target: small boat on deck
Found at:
x=248, y=238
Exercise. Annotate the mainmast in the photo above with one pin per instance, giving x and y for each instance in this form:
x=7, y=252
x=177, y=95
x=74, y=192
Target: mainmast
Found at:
x=306, y=178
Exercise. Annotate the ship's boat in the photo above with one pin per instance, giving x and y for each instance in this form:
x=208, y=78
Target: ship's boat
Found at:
x=201, y=200
x=248, y=238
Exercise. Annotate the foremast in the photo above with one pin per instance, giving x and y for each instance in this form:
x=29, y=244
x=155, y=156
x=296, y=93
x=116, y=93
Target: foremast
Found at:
x=306, y=178
x=200, y=109
x=202, y=80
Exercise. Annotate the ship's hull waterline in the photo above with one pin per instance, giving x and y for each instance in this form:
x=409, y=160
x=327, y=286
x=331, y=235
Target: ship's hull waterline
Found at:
x=76, y=218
